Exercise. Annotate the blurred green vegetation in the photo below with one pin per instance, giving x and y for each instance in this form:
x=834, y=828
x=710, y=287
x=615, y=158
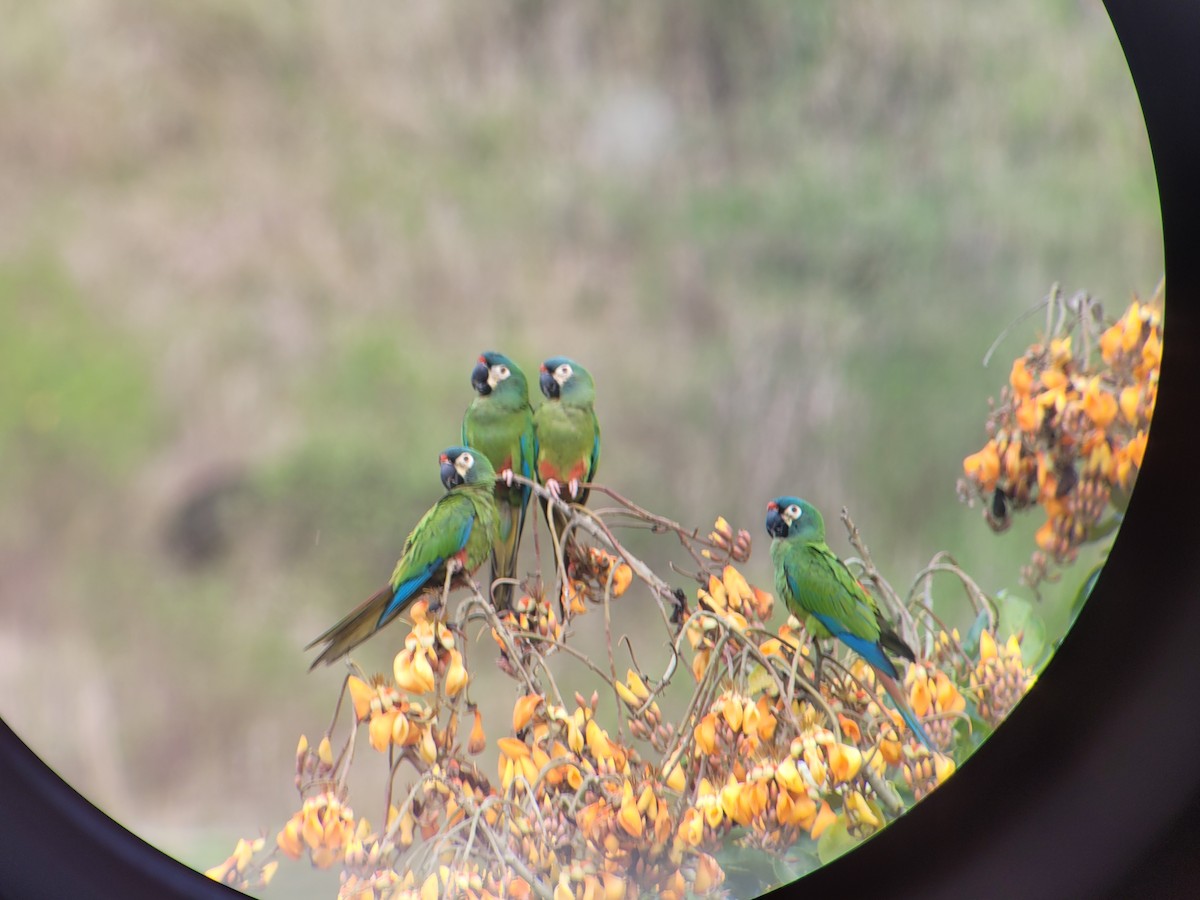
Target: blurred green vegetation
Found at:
x=253, y=250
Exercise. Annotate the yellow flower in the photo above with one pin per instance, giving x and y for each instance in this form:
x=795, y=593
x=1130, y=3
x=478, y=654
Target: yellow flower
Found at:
x=597, y=740
x=289, y=839
x=736, y=588
x=637, y=685
x=844, y=762
x=943, y=767
x=627, y=695
x=987, y=645
x=857, y=805
x=918, y=694
x=1099, y=405
x=1029, y=416
x=691, y=827
x=708, y=874
x=456, y=674
x=1045, y=537
x=1060, y=351
x=413, y=672
x=822, y=820
x=1020, y=379
x=849, y=728
x=705, y=733
x=380, y=730
x=714, y=598
x=401, y=730
x=676, y=778
x=948, y=697
x=1151, y=353
x=362, y=694
x=1129, y=403
x=1110, y=343
x=614, y=886
x=733, y=713
x=984, y=466
x=729, y=797
x=628, y=817
x=523, y=710
x=1137, y=448
x=1054, y=380
x=513, y=748
x=622, y=577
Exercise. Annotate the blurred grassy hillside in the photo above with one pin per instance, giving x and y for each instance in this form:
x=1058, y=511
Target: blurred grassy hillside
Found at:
x=250, y=252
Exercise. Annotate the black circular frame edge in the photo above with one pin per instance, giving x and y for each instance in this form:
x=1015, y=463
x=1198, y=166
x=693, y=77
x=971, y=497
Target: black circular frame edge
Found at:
x=1090, y=789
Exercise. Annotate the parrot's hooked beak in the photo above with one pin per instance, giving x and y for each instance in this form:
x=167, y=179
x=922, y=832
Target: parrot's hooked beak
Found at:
x=548, y=383
x=777, y=526
x=450, y=476
x=481, y=377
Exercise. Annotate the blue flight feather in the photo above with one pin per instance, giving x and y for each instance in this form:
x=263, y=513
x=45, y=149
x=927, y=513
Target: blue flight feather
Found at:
x=868, y=650
x=410, y=586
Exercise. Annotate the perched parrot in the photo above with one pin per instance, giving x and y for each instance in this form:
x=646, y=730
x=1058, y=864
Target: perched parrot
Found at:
x=499, y=424
x=457, y=533
x=568, y=435
x=819, y=589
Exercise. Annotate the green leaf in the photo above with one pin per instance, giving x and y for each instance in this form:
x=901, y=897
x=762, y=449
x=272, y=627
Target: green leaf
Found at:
x=1018, y=616
x=835, y=840
x=748, y=871
x=970, y=643
x=793, y=864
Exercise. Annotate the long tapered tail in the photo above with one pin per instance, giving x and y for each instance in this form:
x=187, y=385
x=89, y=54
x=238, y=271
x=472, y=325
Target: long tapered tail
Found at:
x=897, y=695
x=504, y=552
x=356, y=627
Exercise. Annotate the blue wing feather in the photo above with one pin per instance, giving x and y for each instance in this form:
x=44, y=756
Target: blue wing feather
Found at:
x=405, y=590
x=410, y=586
x=868, y=650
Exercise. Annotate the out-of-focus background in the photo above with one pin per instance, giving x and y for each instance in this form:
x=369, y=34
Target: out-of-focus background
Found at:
x=250, y=252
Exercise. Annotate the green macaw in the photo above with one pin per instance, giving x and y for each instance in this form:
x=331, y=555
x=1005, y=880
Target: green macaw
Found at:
x=455, y=536
x=819, y=589
x=499, y=424
x=568, y=434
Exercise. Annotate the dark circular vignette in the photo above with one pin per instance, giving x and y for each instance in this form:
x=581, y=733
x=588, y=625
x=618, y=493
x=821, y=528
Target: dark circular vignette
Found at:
x=1082, y=793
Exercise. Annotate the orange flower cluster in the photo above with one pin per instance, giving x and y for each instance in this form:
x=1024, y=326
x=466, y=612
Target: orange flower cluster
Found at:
x=936, y=700
x=733, y=547
x=1069, y=434
x=622, y=838
x=1000, y=679
x=323, y=826
x=240, y=870
x=764, y=758
x=591, y=571
x=774, y=767
x=733, y=603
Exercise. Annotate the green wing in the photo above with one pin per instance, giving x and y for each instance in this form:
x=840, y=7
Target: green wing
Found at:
x=505, y=436
x=443, y=532
x=595, y=461
x=823, y=587
x=462, y=523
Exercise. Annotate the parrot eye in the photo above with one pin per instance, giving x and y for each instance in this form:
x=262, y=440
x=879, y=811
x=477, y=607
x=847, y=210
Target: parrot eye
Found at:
x=564, y=371
x=794, y=512
x=467, y=460
x=502, y=371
